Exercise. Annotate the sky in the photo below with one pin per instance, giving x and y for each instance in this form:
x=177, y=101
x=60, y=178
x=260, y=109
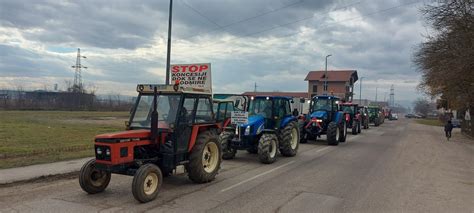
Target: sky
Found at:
x=273, y=43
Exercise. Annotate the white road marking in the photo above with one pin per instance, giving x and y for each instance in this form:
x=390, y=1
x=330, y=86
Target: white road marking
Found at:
x=256, y=176
x=267, y=172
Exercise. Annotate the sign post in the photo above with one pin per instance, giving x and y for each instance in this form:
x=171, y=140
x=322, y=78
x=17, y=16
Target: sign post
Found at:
x=197, y=76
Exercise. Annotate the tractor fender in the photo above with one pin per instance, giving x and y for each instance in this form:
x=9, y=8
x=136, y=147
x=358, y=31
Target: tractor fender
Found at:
x=339, y=117
x=287, y=120
x=196, y=129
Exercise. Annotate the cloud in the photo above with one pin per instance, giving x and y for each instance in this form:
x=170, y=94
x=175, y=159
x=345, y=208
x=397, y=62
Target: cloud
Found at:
x=272, y=43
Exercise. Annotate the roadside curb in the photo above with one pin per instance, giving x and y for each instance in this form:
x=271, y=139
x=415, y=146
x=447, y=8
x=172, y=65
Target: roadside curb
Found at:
x=40, y=172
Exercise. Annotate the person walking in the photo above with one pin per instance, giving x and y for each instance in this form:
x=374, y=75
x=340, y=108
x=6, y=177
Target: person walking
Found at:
x=448, y=128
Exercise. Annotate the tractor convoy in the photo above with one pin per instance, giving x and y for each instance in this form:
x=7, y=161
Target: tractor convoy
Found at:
x=171, y=126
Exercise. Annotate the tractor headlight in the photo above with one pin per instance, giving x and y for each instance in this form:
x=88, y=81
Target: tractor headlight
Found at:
x=247, y=130
x=319, y=120
x=107, y=152
x=99, y=151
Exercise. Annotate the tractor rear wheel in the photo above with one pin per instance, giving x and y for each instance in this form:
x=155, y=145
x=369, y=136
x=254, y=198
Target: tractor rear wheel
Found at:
x=359, y=127
x=93, y=180
x=289, y=140
x=147, y=183
x=267, y=148
x=303, y=135
x=343, y=132
x=354, y=127
x=332, y=134
x=376, y=122
x=227, y=151
x=205, y=158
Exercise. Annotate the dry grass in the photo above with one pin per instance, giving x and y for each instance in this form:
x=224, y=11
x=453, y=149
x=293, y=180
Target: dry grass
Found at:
x=32, y=137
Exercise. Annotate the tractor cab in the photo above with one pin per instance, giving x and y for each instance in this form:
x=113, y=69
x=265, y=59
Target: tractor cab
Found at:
x=374, y=115
x=270, y=127
x=225, y=104
x=324, y=118
x=168, y=126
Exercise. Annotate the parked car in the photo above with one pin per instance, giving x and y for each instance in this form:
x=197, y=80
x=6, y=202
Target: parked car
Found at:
x=393, y=116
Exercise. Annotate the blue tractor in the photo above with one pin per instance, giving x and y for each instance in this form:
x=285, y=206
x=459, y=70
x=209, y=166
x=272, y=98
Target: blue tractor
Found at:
x=324, y=118
x=271, y=128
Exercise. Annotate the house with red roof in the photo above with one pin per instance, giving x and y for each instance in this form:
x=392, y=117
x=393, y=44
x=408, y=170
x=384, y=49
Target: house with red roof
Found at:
x=340, y=83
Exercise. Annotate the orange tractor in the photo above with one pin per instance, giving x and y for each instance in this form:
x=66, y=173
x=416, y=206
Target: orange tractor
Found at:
x=169, y=126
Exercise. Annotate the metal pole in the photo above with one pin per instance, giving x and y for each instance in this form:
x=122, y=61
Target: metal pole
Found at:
x=326, y=76
x=169, y=44
x=360, y=91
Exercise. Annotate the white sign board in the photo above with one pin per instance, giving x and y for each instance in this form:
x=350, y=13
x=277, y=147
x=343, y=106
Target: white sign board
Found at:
x=467, y=117
x=192, y=75
x=239, y=117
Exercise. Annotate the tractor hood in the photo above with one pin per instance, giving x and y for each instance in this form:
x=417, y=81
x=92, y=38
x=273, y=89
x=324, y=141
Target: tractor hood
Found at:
x=254, y=120
x=319, y=114
x=129, y=135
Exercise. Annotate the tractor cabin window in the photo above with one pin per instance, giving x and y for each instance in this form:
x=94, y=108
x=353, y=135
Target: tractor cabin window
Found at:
x=204, y=112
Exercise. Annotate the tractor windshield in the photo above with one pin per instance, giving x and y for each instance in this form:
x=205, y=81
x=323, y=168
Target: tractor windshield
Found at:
x=261, y=106
x=373, y=111
x=322, y=104
x=348, y=109
x=167, y=106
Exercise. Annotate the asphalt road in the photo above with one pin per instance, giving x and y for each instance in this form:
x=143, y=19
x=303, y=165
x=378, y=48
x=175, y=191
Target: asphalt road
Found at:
x=397, y=167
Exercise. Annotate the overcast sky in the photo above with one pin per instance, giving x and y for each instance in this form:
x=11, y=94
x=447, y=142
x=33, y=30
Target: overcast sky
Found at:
x=272, y=42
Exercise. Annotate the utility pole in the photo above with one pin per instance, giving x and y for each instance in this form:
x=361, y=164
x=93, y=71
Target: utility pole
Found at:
x=77, y=86
x=392, y=96
x=255, y=87
x=376, y=88
x=168, y=54
x=326, y=76
x=360, y=91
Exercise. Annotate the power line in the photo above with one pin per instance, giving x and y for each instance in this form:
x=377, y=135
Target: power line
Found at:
x=312, y=16
x=222, y=27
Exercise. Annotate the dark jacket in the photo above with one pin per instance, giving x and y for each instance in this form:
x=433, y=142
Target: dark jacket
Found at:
x=448, y=127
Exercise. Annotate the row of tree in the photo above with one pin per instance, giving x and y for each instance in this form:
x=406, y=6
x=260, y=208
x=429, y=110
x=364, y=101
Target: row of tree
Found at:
x=446, y=58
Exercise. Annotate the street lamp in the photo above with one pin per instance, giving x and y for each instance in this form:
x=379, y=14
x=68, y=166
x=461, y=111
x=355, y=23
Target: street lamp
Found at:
x=168, y=53
x=326, y=75
x=360, y=91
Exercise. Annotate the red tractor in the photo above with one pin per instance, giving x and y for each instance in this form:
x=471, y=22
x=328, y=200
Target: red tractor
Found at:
x=169, y=126
x=353, y=116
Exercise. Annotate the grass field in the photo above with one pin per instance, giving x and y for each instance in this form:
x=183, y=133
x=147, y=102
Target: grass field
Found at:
x=431, y=122
x=32, y=137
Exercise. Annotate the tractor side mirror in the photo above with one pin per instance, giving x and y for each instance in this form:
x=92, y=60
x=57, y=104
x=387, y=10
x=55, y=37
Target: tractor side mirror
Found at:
x=292, y=101
x=237, y=102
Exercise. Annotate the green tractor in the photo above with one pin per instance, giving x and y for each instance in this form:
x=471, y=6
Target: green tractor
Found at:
x=374, y=115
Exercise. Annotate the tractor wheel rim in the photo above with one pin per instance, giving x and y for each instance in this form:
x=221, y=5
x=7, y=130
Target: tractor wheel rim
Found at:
x=294, y=138
x=150, y=184
x=97, y=178
x=210, y=157
x=337, y=133
x=272, y=148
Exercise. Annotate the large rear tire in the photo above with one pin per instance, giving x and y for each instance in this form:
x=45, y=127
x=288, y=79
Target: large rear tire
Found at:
x=93, y=180
x=147, y=183
x=376, y=122
x=359, y=124
x=290, y=140
x=343, y=132
x=354, y=127
x=205, y=158
x=332, y=134
x=267, y=148
x=227, y=151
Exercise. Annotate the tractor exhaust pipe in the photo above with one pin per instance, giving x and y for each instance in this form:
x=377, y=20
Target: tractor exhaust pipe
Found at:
x=154, y=117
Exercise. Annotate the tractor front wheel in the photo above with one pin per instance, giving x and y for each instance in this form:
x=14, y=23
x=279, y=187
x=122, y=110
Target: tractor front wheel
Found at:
x=267, y=148
x=93, y=180
x=205, y=158
x=332, y=134
x=303, y=134
x=290, y=140
x=227, y=151
x=147, y=183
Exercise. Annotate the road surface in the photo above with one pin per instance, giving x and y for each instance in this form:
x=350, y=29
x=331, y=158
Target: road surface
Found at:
x=400, y=166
